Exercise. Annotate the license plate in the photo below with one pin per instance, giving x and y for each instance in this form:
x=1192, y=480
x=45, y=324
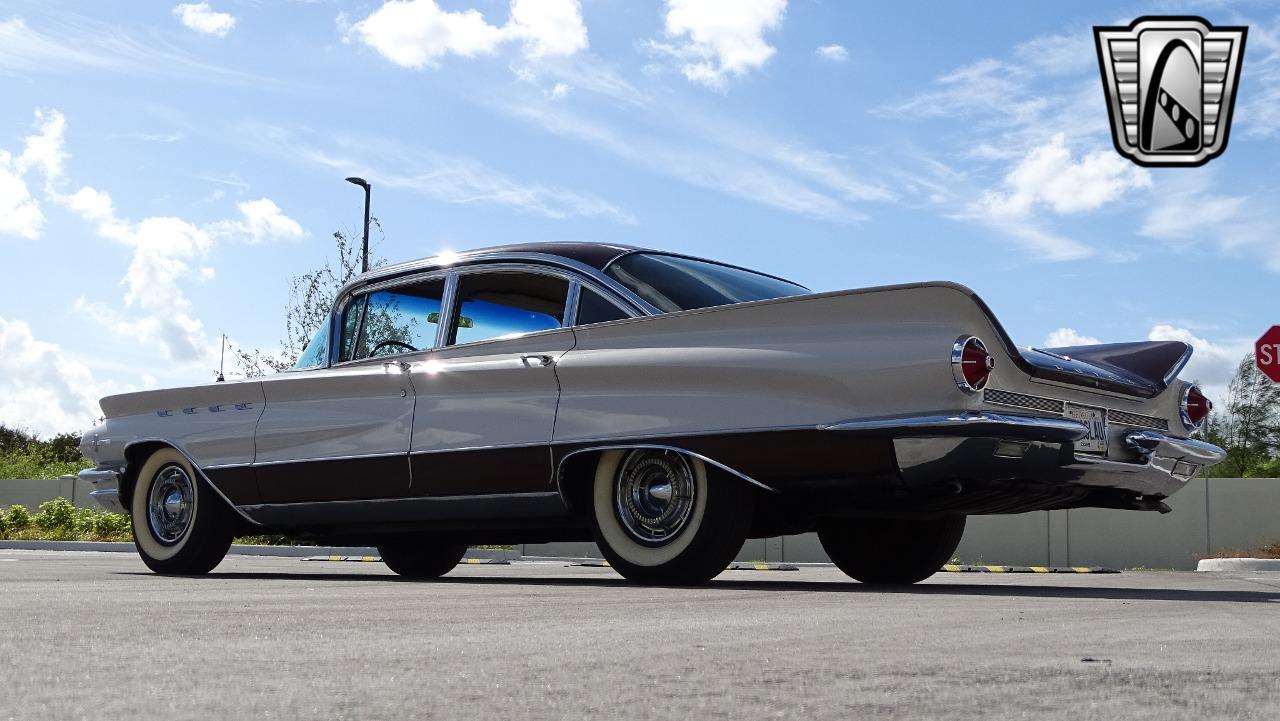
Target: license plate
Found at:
x=1095, y=419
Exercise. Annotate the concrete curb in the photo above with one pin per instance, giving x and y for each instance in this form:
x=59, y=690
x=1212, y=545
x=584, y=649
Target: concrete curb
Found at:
x=1239, y=564
x=238, y=550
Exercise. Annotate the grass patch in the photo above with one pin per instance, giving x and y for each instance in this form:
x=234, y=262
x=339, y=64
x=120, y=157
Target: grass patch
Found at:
x=59, y=520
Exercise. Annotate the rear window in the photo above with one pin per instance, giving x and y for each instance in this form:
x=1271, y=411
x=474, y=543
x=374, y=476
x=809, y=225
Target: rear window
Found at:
x=671, y=283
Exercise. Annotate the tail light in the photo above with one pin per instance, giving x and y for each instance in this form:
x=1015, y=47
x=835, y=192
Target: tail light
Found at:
x=1195, y=407
x=971, y=364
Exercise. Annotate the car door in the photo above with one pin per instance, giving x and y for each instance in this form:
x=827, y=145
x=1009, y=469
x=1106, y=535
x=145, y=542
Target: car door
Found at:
x=487, y=396
x=342, y=433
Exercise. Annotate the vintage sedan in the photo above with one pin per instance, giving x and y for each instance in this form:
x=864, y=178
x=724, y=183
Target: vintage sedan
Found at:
x=664, y=406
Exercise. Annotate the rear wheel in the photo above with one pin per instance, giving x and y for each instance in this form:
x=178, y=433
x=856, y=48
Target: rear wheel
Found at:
x=421, y=558
x=658, y=518
x=891, y=550
x=180, y=525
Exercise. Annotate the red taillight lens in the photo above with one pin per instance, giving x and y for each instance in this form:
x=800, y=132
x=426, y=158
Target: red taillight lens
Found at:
x=1195, y=407
x=971, y=364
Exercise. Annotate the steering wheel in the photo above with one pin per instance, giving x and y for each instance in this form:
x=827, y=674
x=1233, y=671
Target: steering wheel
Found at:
x=389, y=344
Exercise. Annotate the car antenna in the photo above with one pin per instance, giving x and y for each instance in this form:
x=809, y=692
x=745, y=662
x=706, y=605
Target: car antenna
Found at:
x=364, y=247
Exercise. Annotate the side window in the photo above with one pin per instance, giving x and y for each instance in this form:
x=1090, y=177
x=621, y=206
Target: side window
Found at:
x=501, y=304
x=593, y=308
x=397, y=320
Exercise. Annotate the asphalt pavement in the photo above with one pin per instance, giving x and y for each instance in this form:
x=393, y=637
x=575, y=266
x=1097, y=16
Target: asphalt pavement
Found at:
x=96, y=636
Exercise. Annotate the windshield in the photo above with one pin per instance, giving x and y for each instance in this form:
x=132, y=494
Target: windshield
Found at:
x=317, y=351
x=671, y=283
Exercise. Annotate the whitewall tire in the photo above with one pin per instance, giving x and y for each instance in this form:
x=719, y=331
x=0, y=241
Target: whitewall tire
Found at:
x=660, y=517
x=180, y=525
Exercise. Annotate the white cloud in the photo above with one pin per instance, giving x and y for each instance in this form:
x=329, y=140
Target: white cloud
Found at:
x=1059, y=54
x=44, y=149
x=1050, y=177
x=832, y=53
x=1067, y=337
x=168, y=255
x=725, y=159
x=1188, y=215
x=446, y=178
x=260, y=220
x=418, y=33
x=548, y=27
x=719, y=39
x=40, y=387
x=1212, y=363
x=559, y=91
x=203, y=19
x=20, y=214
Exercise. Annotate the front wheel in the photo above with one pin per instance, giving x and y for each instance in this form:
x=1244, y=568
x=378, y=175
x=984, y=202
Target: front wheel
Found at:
x=180, y=525
x=659, y=519
x=891, y=550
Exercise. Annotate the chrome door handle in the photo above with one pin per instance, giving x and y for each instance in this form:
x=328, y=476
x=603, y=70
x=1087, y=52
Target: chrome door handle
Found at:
x=402, y=366
x=540, y=361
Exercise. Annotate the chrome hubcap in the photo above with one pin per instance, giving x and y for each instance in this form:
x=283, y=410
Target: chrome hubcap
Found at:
x=170, y=504
x=654, y=495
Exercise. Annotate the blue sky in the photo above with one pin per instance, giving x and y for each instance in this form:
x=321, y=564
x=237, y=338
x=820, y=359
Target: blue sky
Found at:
x=164, y=167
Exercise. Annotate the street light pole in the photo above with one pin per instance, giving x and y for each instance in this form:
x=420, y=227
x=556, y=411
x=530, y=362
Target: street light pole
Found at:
x=364, y=248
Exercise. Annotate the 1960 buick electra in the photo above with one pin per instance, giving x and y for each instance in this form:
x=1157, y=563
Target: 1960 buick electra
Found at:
x=664, y=406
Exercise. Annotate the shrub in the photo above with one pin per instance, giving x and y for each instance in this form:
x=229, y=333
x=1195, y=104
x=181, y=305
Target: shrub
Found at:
x=107, y=524
x=56, y=515
x=18, y=518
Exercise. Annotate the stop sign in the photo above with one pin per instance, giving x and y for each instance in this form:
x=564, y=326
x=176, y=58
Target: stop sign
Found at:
x=1267, y=353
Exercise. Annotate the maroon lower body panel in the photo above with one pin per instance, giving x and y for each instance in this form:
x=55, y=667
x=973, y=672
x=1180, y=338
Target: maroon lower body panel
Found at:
x=477, y=472
x=345, y=479
x=237, y=483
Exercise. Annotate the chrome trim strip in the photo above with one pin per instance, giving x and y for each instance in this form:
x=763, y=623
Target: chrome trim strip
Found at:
x=971, y=424
x=447, y=300
x=957, y=363
x=431, y=451
x=1184, y=416
x=351, y=457
x=198, y=469
x=480, y=257
x=651, y=446
x=106, y=483
x=1177, y=367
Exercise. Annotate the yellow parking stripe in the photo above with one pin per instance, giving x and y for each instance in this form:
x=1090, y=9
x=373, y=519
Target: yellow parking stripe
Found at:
x=995, y=569
x=1038, y=569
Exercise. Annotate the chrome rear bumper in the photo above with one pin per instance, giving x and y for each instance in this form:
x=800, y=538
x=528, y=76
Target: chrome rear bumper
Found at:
x=106, y=487
x=984, y=446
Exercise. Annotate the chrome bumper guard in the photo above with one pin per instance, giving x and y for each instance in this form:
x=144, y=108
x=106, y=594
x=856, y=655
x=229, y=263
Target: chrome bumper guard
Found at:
x=984, y=446
x=106, y=485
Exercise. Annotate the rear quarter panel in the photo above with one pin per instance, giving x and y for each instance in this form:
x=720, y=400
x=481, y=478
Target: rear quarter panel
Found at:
x=790, y=362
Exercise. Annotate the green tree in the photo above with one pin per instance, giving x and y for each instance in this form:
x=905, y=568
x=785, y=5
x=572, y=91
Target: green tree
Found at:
x=1249, y=427
x=311, y=297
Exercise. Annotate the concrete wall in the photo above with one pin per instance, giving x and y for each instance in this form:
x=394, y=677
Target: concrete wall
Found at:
x=1209, y=515
x=31, y=493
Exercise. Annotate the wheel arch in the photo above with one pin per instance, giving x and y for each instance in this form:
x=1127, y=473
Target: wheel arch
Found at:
x=136, y=454
x=576, y=470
